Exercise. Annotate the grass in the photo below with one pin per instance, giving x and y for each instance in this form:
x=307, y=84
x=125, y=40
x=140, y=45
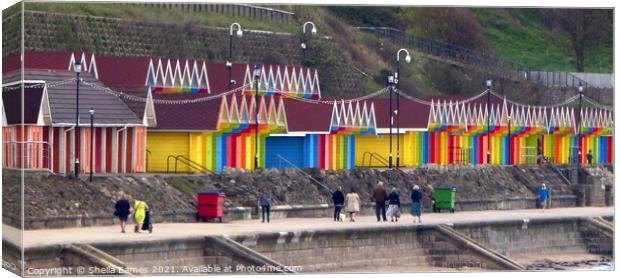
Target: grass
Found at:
x=520, y=35
x=147, y=13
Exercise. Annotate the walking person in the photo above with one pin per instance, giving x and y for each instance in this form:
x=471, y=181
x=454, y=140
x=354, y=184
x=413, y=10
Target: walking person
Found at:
x=121, y=210
x=265, y=203
x=589, y=157
x=416, y=204
x=338, y=199
x=543, y=196
x=352, y=204
x=140, y=208
x=379, y=196
x=393, y=210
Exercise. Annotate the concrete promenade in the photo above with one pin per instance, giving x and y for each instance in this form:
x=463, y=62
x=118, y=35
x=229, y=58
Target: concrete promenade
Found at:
x=163, y=231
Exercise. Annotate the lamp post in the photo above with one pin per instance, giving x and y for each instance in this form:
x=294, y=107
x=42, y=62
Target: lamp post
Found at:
x=78, y=69
x=489, y=83
x=304, y=45
x=257, y=74
x=92, y=130
x=580, y=88
x=509, y=139
x=390, y=81
x=230, y=51
x=397, y=81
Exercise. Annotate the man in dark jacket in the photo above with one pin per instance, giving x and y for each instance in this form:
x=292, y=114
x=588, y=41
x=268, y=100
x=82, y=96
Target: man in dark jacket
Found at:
x=379, y=195
x=338, y=199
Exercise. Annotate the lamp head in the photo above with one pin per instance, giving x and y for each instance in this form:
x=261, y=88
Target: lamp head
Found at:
x=239, y=33
x=257, y=71
x=303, y=45
x=91, y=111
x=580, y=88
x=489, y=83
x=390, y=79
x=78, y=66
x=314, y=31
x=408, y=59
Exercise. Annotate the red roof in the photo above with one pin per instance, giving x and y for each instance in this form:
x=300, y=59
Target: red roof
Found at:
x=42, y=60
x=202, y=115
x=307, y=117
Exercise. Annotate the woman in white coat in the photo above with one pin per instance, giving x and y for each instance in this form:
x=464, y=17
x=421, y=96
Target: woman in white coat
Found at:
x=352, y=204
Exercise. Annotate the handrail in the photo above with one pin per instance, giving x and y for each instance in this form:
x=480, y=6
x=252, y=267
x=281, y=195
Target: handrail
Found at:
x=377, y=156
x=306, y=174
x=190, y=163
x=562, y=177
x=146, y=166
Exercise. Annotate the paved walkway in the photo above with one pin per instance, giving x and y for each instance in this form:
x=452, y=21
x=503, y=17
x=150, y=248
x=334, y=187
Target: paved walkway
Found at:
x=185, y=230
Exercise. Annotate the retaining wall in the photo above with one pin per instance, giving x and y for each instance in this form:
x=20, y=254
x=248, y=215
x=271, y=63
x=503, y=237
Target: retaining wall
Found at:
x=524, y=237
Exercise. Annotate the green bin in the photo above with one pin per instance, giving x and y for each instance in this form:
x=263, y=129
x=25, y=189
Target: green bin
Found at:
x=445, y=198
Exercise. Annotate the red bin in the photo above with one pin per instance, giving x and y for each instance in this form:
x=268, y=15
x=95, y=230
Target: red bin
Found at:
x=210, y=206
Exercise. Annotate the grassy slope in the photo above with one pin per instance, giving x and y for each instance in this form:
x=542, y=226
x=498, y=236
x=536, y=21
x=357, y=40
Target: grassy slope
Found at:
x=142, y=12
x=519, y=35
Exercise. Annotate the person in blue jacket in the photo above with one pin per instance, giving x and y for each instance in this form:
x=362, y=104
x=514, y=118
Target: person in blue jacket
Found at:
x=416, y=204
x=543, y=196
x=338, y=199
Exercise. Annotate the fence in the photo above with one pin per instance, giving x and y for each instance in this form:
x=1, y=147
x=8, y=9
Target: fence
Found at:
x=490, y=62
x=238, y=10
x=454, y=53
x=560, y=79
x=36, y=155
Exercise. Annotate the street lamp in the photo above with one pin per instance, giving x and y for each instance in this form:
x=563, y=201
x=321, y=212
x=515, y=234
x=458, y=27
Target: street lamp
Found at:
x=78, y=69
x=304, y=45
x=509, y=139
x=397, y=81
x=489, y=83
x=580, y=88
x=390, y=81
x=257, y=74
x=92, y=131
x=230, y=50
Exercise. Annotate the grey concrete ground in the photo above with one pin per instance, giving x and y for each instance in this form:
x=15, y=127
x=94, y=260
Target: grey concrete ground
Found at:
x=185, y=230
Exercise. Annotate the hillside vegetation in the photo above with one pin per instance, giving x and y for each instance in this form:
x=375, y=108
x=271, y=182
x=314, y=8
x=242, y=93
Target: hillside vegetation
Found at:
x=522, y=36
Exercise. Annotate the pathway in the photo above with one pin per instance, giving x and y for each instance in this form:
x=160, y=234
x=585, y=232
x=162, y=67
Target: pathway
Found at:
x=164, y=231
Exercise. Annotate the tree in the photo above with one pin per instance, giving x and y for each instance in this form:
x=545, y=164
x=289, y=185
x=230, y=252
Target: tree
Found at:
x=585, y=27
x=457, y=26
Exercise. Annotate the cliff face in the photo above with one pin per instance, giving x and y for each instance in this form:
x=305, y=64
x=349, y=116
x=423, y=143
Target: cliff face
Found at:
x=48, y=195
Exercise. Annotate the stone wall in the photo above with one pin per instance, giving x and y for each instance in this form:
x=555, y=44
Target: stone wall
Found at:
x=118, y=37
x=55, y=201
x=519, y=238
x=329, y=250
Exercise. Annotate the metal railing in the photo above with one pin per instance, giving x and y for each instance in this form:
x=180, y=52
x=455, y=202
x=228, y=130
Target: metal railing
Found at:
x=461, y=155
x=446, y=50
x=376, y=156
x=529, y=155
x=231, y=9
x=509, y=69
x=36, y=154
x=146, y=167
x=324, y=186
x=190, y=163
x=561, y=79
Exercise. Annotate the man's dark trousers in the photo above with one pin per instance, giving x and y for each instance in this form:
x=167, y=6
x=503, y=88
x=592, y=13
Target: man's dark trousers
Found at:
x=380, y=211
x=337, y=210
